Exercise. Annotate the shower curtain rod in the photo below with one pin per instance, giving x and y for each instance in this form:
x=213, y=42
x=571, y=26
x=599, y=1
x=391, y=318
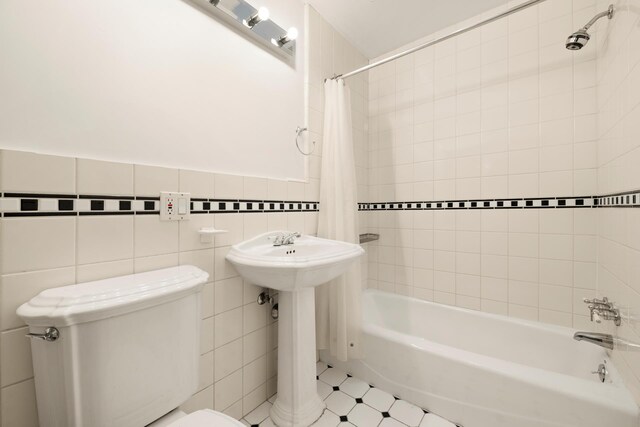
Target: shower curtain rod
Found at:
x=439, y=39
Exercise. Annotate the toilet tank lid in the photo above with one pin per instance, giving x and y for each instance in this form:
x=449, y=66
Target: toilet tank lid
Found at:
x=100, y=299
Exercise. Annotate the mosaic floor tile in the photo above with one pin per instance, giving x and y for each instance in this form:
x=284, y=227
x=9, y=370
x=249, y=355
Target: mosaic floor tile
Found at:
x=352, y=402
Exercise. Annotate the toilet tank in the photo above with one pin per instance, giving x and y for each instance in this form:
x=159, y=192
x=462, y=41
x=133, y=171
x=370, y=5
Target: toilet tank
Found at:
x=127, y=352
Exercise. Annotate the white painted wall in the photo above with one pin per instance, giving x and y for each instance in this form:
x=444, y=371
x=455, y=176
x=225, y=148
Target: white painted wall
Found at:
x=150, y=82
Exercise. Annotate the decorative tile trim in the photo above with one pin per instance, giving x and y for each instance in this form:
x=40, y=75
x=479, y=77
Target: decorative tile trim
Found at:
x=629, y=199
x=516, y=203
x=27, y=204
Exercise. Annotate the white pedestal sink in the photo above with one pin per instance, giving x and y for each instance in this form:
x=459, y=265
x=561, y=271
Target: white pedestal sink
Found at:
x=294, y=270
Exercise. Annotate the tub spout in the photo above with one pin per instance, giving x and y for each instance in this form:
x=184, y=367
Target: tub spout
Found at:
x=603, y=340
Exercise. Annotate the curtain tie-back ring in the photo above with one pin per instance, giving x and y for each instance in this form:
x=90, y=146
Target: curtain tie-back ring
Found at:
x=299, y=131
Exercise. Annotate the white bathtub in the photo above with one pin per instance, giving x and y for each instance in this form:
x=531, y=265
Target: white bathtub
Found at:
x=483, y=370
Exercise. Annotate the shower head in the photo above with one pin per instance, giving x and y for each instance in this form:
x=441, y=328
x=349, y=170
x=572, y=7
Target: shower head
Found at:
x=579, y=39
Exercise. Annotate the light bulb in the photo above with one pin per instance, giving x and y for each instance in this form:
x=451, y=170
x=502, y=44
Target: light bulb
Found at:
x=263, y=13
x=292, y=34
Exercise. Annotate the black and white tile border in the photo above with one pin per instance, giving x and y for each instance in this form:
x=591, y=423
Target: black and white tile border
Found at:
x=27, y=204
x=533, y=203
x=629, y=199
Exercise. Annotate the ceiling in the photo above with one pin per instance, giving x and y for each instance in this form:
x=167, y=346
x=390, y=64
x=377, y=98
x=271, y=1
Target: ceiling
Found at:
x=379, y=26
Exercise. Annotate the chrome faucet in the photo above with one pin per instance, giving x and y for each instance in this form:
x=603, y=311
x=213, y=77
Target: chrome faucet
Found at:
x=286, y=239
x=603, y=340
x=603, y=309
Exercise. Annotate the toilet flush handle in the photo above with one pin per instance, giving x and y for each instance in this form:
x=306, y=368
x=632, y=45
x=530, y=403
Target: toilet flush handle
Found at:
x=50, y=334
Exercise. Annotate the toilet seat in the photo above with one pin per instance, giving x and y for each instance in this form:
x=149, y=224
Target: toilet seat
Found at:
x=206, y=418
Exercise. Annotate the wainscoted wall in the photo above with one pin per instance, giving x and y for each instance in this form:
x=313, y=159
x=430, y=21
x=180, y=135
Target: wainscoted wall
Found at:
x=61, y=247
x=502, y=112
x=239, y=355
x=618, y=85
x=155, y=82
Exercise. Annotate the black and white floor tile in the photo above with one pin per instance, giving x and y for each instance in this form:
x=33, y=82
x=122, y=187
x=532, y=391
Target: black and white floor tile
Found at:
x=354, y=403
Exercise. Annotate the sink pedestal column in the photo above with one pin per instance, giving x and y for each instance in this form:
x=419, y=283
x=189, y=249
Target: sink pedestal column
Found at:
x=298, y=403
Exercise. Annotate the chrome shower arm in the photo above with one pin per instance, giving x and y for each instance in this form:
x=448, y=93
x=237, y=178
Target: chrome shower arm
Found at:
x=608, y=13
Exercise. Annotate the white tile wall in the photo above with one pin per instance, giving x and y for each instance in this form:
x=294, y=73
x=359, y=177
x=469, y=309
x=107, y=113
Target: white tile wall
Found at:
x=618, y=100
x=151, y=180
x=37, y=244
x=502, y=111
x=104, y=178
x=239, y=338
x=21, y=171
x=102, y=238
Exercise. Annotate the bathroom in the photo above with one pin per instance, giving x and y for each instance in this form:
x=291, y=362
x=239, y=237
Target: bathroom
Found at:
x=320, y=212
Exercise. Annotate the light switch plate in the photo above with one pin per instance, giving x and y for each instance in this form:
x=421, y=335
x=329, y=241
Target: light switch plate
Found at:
x=175, y=206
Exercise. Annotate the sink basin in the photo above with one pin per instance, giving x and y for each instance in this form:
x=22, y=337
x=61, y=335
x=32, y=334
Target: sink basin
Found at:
x=310, y=261
x=296, y=268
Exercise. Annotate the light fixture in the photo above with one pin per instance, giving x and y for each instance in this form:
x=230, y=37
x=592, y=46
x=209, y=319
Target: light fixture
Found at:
x=243, y=16
x=261, y=15
x=291, y=35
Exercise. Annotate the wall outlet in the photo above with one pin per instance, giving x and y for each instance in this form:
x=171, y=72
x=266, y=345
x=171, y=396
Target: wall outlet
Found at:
x=175, y=206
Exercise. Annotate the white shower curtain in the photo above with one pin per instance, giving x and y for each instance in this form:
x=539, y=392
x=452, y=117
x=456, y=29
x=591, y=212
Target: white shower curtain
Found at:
x=338, y=311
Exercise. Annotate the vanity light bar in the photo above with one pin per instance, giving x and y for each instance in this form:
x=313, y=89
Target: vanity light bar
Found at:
x=254, y=24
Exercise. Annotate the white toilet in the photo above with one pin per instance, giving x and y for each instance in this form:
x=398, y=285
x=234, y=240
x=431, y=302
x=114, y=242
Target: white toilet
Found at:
x=120, y=352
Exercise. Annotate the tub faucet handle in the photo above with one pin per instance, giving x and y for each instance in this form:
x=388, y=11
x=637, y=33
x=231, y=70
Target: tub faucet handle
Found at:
x=596, y=301
x=594, y=314
x=603, y=309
